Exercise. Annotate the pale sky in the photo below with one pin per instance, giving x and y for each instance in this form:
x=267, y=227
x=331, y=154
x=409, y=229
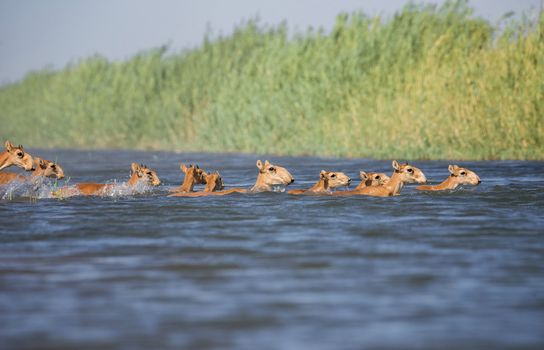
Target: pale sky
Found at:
x=39, y=33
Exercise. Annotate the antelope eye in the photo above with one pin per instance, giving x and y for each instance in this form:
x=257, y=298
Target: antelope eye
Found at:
x=410, y=170
x=463, y=173
x=149, y=173
x=333, y=175
x=377, y=177
x=271, y=169
x=53, y=166
x=20, y=154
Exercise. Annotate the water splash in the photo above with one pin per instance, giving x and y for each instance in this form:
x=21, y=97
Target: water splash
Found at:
x=278, y=188
x=21, y=188
x=46, y=188
x=123, y=189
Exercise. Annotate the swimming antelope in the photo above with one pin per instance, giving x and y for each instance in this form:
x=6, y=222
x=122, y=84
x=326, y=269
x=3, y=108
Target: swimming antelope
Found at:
x=139, y=174
x=458, y=176
x=193, y=176
x=16, y=156
x=269, y=176
x=43, y=168
x=367, y=180
x=402, y=175
x=214, y=183
x=371, y=179
x=328, y=180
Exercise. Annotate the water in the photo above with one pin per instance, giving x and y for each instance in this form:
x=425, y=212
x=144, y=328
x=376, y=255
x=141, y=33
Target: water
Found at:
x=462, y=269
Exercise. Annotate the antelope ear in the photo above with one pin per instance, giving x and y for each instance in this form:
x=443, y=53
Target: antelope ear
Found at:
x=323, y=174
x=42, y=164
x=9, y=146
x=259, y=164
x=453, y=169
x=395, y=165
x=363, y=175
x=134, y=167
x=183, y=168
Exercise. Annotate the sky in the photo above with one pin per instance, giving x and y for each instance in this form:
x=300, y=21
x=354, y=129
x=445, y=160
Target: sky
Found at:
x=35, y=34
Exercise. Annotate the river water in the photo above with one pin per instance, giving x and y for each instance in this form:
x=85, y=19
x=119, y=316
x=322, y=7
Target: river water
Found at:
x=461, y=269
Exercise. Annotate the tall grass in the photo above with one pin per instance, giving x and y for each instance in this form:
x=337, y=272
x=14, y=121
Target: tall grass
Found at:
x=430, y=82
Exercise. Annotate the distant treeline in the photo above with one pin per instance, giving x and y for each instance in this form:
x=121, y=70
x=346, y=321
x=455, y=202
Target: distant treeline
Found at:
x=428, y=82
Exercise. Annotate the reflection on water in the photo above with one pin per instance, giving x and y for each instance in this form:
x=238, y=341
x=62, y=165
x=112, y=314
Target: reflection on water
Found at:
x=461, y=269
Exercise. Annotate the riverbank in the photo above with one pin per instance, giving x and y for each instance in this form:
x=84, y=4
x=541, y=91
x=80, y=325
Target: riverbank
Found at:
x=428, y=83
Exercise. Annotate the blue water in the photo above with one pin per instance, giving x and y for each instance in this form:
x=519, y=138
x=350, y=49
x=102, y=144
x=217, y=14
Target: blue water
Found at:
x=454, y=270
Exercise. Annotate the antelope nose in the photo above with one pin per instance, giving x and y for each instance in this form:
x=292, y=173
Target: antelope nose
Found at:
x=292, y=180
x=479, y=181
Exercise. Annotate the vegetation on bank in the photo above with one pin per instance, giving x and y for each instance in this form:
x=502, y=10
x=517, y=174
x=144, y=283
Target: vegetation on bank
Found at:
x=429, y=82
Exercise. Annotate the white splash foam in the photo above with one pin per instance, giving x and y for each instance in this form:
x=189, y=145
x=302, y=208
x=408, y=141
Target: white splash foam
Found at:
x=46, y=188
x=29, y=187
x=278, y=188
x=123, y=189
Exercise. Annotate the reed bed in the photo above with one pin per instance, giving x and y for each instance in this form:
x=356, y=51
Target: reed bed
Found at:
x=430, y=82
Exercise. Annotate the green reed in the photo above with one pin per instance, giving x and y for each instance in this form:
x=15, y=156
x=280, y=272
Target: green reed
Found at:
x=429, y=82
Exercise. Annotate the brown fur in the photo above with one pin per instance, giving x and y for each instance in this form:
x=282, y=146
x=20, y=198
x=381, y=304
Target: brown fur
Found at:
x=214, y=183
x=193, y=176
x=42, y=168
x=367, y=180
x=269, y=176
x=138, y=173
x=15, y=156
x=458, y=176
x=371, y=179
x=402, y=175
x=328, y=180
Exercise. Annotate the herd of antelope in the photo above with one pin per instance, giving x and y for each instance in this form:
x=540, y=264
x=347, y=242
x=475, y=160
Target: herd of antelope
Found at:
x=269, y=177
